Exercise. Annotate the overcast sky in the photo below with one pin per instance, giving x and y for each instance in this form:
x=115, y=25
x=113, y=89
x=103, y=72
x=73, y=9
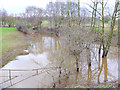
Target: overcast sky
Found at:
x=18, y=6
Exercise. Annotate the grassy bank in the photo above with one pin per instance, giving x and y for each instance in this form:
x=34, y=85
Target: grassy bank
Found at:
x=13, y=44
x=115, y=32
x=110, y=84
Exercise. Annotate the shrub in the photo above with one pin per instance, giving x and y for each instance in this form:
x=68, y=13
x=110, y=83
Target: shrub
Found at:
x=21, y=27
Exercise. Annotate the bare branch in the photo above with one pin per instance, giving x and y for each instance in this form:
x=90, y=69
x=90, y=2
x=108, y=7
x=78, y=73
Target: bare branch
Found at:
x=94, y=9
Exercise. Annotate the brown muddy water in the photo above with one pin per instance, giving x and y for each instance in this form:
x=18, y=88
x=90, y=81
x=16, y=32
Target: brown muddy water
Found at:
x=40, y=68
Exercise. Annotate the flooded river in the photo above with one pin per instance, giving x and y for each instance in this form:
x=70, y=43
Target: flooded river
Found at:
x=40, y=68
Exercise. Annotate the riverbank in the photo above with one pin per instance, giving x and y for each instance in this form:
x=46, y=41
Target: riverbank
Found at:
x=44, y=31
x=13, y=44
x=110, y=84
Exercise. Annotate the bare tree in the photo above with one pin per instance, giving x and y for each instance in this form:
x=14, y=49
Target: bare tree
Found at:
x=106, y=48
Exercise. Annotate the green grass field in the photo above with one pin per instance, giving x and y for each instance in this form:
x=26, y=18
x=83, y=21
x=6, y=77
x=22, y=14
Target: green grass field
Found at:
x=6, y=31
x=106, y=31
x=6, y=37
x=45, y=22
x=10, y=38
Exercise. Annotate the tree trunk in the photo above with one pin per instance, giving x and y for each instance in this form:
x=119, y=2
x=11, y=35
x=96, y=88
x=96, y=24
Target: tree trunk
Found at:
x=89, y=66
x=68, y=13
x=59, y=75
x=77, y=59
x=79, y=12
x=105, y=68
x=100, y=72
x=99, y=57
x=92, y=17
x=94, y=27
x=89, y=73
x=76, y=78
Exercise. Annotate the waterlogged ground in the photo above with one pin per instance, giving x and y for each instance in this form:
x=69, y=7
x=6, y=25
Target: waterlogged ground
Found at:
x=12, y=43
x=40, y=68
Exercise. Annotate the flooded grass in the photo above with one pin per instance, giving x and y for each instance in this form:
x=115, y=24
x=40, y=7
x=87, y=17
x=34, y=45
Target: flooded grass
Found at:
x=13, y=44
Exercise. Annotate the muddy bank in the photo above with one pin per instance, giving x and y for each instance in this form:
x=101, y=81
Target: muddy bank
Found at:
x=43, y=31
x=10, y=54
x=15, y=43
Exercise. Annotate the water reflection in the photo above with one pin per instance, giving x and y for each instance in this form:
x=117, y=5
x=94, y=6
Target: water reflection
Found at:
x=23, y=66
x=45, y=52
